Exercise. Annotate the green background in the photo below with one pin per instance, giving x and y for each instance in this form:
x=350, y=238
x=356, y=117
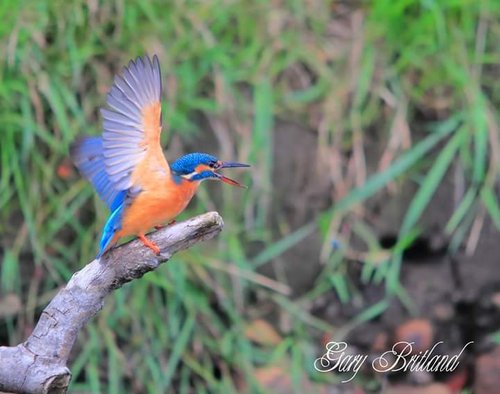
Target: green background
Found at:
x=232, y=71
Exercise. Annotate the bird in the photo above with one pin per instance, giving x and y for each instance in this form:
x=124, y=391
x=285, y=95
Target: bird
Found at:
x=127, y=166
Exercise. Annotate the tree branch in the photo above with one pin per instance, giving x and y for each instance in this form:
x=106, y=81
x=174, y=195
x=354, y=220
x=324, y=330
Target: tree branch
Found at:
x=39, y=364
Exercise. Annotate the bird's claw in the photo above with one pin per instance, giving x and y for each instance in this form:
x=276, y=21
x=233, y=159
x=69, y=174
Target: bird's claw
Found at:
x=154, y=248
x=160, y=226
x=150, y=244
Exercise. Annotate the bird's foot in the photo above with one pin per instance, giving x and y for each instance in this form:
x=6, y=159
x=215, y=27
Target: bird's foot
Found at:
x=150, y=244
x=160, y=226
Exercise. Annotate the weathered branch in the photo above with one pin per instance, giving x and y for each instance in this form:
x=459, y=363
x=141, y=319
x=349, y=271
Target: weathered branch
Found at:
x=39, y=364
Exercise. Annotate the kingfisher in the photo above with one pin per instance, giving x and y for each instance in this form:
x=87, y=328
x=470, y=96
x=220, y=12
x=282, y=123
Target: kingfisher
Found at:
x=127, y=167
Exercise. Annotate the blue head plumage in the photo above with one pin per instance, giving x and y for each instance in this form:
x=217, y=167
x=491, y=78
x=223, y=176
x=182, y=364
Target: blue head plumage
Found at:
x=200, y=166
x=187, y=164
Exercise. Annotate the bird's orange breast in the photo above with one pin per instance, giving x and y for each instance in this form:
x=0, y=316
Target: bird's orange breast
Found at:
x=156, y=205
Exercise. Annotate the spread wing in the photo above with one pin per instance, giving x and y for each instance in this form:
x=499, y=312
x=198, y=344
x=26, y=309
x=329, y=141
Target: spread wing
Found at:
x=132, y=124
x=88, y=157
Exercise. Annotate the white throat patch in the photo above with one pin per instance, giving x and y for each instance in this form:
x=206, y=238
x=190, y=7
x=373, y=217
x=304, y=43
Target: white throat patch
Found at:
x=189, y=176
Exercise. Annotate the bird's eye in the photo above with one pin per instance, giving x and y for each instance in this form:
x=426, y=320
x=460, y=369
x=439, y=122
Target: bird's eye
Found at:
x=214, y=164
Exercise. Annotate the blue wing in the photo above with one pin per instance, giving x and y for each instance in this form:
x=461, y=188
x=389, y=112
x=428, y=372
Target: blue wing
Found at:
x=87, y=154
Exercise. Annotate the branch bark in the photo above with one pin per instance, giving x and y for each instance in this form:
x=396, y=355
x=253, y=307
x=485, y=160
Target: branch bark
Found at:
x=39, y=364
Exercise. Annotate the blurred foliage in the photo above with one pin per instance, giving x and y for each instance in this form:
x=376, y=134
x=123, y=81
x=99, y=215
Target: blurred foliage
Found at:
x=424, y=74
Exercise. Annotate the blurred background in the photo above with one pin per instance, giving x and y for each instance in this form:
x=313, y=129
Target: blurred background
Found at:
x=372, y=212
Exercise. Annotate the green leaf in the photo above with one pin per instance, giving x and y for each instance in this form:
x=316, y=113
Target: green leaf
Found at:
x=281, y=246
x=338, y=281
x=431, y=182
x=408, y=159
x=372, y=311
x=480, y=133
x=10, y=274
x=461, y=211
x=422, y=199
x=178, y=348
x=490, y=201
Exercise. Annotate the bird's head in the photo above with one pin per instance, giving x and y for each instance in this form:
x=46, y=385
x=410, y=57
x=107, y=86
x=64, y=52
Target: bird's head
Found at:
x=200, y=166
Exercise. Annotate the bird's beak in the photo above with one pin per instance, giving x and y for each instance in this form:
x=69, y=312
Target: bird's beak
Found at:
x=232, y=164
x=225, y=179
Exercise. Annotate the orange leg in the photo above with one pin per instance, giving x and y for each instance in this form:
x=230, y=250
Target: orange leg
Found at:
x=150, y=244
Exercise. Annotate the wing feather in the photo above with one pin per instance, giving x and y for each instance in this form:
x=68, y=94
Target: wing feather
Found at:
x=157, y=76
x=132, y=123
x=127, y=91
x=118, y=102
x=122, y=119
x=88, y=156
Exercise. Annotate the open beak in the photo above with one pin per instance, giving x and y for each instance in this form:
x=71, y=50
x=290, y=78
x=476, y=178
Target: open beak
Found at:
x=232, y=164
x=225, y=179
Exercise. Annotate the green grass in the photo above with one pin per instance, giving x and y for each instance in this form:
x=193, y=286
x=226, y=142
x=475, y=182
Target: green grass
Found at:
x=237, y=66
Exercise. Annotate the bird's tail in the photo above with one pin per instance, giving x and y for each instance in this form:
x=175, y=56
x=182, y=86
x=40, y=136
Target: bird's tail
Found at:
x=109, y=233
